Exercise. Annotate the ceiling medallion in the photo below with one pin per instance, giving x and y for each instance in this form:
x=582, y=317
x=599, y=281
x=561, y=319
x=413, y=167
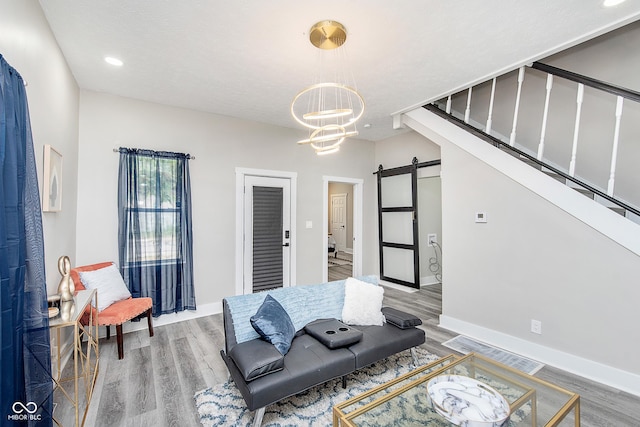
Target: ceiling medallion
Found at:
x=331, y=108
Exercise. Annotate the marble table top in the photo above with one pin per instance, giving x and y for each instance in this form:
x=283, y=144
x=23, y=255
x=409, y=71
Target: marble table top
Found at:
x=467, y=402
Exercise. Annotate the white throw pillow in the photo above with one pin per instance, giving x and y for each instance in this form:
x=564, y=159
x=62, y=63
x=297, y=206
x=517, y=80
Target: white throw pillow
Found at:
x=109, y=283
x=362, y=303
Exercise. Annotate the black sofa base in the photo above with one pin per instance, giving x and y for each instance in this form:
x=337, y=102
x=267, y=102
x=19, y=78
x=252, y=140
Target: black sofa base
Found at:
x=310, y=363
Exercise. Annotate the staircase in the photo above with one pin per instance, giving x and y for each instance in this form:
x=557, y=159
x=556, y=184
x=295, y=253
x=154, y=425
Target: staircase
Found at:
x=458, y=109
x=565, y=169
x=548, y=251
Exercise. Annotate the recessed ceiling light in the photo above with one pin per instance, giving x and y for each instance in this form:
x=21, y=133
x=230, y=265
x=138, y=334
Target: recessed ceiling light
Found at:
x=113, y=61
x=610, y=3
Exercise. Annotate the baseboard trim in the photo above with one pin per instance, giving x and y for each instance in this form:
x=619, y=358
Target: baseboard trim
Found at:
x=622, y=380
x=402, y=288
x=428, y=280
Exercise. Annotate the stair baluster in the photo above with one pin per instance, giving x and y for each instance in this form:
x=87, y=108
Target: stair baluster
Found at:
x=576, y=129
x=614, y=151
x=467, y=111
x=545, y=115
x=512, y=138
x=490, y=115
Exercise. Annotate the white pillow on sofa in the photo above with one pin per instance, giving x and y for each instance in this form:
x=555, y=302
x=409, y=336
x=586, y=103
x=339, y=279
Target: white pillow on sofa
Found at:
x=362, y=303
x=109, y=283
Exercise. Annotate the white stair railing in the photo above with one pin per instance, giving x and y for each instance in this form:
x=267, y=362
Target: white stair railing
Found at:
x=570, y=172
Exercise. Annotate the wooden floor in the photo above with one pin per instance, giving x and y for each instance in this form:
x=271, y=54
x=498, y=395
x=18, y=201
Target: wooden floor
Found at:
x=339, y=272
x=154, y=384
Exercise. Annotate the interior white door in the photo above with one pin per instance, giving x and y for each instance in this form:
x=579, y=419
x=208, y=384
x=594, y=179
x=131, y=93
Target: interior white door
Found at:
x=339, y=220
x=267, y=225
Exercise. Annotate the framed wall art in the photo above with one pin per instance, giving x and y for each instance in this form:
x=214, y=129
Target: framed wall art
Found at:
x=52, y=183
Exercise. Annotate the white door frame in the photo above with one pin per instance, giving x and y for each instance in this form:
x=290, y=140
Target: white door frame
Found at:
x=357, y=222
x=240, y=214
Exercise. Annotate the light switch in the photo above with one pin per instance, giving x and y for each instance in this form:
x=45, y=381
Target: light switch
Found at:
x=309, y=224
x=481, y=217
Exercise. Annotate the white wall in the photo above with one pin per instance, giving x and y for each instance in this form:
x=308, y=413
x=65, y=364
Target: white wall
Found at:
x=27, y=44
x=546, y=253
x=220, y=144
x=532, y=260
x=401, y=149
x=430, y=222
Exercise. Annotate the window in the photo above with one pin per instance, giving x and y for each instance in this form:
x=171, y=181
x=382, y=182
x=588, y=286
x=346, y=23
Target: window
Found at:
x=154, y=212
x=154, y=209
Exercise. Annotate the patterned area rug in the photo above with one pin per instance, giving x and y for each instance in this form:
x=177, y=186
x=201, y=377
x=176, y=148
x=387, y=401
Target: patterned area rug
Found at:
x=341, y=259
x=222, y=404
x=337, y=261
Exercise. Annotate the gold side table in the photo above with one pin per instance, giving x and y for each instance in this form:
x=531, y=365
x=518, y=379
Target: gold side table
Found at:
x=84, y=352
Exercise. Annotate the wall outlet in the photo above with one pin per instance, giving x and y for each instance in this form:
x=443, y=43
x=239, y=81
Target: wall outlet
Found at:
x=536, y=326
x=432, y=238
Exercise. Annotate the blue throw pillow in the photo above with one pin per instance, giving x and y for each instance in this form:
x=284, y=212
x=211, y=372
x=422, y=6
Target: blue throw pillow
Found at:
x=273, y=324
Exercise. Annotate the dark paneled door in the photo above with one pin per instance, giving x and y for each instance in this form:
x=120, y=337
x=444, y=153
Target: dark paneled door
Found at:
x=267, y=247
x=398, y=225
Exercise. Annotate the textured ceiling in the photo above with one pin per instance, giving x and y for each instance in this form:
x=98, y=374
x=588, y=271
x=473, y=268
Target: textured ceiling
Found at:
x=248, y=58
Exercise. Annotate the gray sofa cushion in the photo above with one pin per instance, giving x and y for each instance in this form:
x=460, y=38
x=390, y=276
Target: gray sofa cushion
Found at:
x=379, y=342
x=307, y=364
x=400, y=319
x=333, y=333
x=256, y=358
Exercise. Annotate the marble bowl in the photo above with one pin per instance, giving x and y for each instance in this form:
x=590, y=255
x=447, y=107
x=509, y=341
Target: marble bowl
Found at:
x=467, y=402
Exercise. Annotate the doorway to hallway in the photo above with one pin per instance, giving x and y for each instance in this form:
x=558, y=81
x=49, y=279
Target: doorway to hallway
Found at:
x=340, y=239
x=342, y=228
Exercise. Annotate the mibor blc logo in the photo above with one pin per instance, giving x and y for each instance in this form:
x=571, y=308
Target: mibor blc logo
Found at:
x=24, y=412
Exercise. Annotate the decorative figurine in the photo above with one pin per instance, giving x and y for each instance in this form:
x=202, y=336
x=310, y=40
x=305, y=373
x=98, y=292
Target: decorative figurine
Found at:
x=66, y=308
x=66, y=288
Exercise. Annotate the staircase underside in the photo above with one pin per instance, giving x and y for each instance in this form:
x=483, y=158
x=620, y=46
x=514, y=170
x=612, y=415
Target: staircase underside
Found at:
x=547, y=185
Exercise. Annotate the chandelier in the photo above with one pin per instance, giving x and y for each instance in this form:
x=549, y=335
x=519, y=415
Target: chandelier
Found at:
x=331, y=106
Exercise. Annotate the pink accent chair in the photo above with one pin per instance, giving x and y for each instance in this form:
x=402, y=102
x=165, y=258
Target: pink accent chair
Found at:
x=118, y=312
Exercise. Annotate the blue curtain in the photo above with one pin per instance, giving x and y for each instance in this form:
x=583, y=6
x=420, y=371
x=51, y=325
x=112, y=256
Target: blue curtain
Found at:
x=155, y=234
x=25, y=382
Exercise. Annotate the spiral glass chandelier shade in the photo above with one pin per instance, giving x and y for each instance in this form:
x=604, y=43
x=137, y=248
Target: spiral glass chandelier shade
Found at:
x=330, y=107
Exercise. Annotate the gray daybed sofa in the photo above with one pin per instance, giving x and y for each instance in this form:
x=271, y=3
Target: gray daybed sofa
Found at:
x=316, y=355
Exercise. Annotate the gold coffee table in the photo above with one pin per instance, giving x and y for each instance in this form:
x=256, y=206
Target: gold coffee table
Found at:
x=404, y=401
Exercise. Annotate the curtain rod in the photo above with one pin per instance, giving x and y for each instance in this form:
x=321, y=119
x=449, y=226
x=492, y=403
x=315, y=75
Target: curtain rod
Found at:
x=189, y=156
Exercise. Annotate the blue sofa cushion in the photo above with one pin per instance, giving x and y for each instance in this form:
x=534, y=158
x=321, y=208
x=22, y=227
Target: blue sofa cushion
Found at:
x=272, y=323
